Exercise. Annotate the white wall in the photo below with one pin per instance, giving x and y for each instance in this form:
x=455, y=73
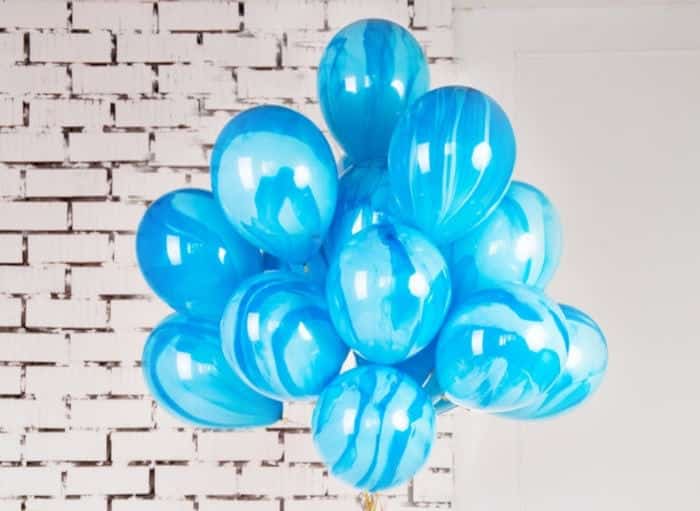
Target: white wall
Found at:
x=606, y=106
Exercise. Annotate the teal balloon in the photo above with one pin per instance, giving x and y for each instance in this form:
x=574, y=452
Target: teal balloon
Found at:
x=388, y=291
x=188, y=376
x=370, y=72
x=450, y=161
x=364, y=199
x=374, y=427
x=274, y=176
x=189, y=254
x=501, y=348
x=584, y=370
x=519, y=242
x=277, y=335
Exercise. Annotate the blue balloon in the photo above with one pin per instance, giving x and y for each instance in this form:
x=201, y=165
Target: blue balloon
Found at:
x=276, y=334
x=374, y=427
x=501, y=348
x=274, y=175
x=519, y=242
x=388, y=291
x=189, y=254
x=314, y=269
x=583, y=372
x=364, y=199
x=370, y=72
x=419, y=367
x=186, y=372
x=450, y=161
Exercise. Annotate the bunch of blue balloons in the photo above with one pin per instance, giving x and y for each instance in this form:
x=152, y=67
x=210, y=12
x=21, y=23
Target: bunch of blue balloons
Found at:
x=423, y=259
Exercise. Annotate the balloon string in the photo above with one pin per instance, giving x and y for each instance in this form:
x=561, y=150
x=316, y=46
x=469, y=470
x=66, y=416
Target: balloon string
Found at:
x=370, y=502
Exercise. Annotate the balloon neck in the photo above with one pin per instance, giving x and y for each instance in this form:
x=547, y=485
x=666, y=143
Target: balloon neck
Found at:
x=370, y=502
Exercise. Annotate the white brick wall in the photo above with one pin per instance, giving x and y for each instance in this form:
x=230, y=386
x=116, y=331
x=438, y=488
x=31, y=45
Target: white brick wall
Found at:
x=104, y=106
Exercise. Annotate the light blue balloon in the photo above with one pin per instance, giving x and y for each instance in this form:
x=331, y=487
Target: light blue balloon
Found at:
x=388, y=291
x=519, y=242
x=277, y=336
x=501, y=348
x=419, y=367
x=314, y=269
x=370, y=72
x=186, y=372
x=189, y=254
x=274, y=175
x=364, y=199
x=450, y=161
x=374, y=427
x=583, y=372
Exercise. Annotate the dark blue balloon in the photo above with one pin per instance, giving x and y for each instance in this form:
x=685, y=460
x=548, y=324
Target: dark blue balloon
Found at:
x=374, y=427
x=450, y=161
x=370, y=72
x=187, y=374
x=275, y=177
x=189, y=254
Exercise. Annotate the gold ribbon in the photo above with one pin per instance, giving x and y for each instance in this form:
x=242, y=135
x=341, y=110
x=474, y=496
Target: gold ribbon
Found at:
x=370, y=502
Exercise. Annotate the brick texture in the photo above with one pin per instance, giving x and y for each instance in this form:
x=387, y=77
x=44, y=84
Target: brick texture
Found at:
x=104, y=106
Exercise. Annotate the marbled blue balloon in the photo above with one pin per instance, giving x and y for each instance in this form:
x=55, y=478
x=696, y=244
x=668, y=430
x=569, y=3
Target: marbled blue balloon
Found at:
x=189, y=254
x=277, y=336
x=450, y=161
x=519, y=242
x=314, y=269
x=419, y=367
x=374, y=427
x=188, y=376
x=370, y=72
x=274, y=175
x=388, y=291
x=501, y=348
x=364, y=199
x=583, y=372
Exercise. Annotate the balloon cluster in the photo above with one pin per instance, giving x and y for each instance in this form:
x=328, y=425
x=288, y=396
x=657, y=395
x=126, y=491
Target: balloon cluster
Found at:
x=423, y=259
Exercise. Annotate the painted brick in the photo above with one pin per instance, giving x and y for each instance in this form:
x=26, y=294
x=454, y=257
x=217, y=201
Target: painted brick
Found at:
x=11, y=47
x=195, y=79
x=156, y=112
x=277, y=83
x=10, y=248
x=92, y=147
x=127, y=381
x=441, y=456
x=304, y=47
x=76, y=381
x=42, y=312
x=432, y=13
x=34, y=14
x=66, y=47
x=281, y=15
x=69, y=445
x=199, y=15
x=18, y=414
x=72, y=504
x=10, y=447
x=29, y=481
x=114, y=15
x=123, y=79
x=68, y=112
x=322, y=504
x=343, y=12
x=146, y=185
x=74, y=248
x=241, y=505
x=155, y=505
x=32, y=279
x=10, y=381
x=437, y=42
x=195, y=480
x=299, y=447
x=66, y=182
x=33, y=216
x=210, y=126
x=429, y=486
x=123, y=347
x=238, y=445
x=156, y=48
x=179, y=149
x=11, y=504
x=10, y=112
x=281, y=481
x=106, y=216
x=152, y=445
x=33, y=347
x=10, y=311
x=114, y=413
x=125, y=248
x=35, y=78
x=107, y=480
x=108, y=280
x=137, y=313
x=241, y=49
x=201, y=180
x=34, y=147
x=10, y=183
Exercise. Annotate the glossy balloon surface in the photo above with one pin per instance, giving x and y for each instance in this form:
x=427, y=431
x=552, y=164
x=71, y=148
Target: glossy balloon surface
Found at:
x=274, y=175
x=500, y=348
x=419, y=367
x=450, y=161
x=374, y=427
x=314, y=269
x=583, y=372
x=186, y=372
x=190, y=255
x=364, y=199
x=388, y=292
x=277, y=336
x=369, y=73
x=519, y=242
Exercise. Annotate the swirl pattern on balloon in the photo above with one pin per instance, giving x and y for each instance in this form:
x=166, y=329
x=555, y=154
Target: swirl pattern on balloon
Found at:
x=501, y=348
x=388, y=292
x=277, y=336
x=275, y=177
x=374, y=427
x=185, y=371
x=369, y=73
x=519, y=242
x=189, y=254
x=450, y=161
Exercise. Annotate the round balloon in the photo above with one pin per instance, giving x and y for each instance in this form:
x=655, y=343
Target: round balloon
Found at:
x=583, y=372
x=364, y=199
x=186, y=372
x=369, y=73
x=501, y=348
x=374, y=427
x=189, y=254
x=314, y=269
x=419, y=367
x=388, y=291
x=519, y=242
x=277, y=336
x=274, y=175
x=450, y=161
